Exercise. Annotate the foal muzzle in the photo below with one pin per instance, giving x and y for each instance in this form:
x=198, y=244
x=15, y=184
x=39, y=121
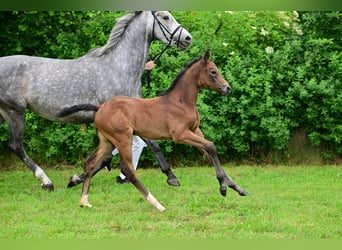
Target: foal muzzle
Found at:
x=225, y=90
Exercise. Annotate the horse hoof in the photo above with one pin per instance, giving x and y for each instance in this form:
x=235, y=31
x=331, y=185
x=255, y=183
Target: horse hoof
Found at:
x=173, y=182
x=48, y=187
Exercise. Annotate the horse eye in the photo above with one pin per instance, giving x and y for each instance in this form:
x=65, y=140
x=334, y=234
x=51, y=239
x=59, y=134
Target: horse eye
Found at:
x=166, y=17
x=213, y=72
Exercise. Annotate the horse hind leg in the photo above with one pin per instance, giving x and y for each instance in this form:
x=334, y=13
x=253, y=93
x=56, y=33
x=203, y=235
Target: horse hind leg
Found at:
x=16, y=124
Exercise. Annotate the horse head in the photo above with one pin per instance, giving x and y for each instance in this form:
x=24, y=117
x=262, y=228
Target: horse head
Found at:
x=211, y=77
x=168, y=30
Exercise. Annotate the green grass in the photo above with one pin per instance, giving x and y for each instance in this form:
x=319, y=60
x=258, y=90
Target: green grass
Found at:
x=284, y=203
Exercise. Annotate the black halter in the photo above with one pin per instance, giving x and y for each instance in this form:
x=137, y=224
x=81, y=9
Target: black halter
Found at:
x=169, y=40
x=165, y=30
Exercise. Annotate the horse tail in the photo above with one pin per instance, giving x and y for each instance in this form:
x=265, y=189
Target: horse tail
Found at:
x=77, y=108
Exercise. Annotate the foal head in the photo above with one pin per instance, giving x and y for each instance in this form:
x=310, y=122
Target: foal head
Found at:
x=210, y=77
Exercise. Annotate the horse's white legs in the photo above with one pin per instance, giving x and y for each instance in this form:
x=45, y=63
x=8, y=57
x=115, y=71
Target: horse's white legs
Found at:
x=152, y=200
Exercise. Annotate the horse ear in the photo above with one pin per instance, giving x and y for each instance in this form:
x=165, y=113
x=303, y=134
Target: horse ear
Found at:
x=206, y=56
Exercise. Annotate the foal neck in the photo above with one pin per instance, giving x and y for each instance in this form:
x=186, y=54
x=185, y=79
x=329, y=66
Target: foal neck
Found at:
x=187, y=88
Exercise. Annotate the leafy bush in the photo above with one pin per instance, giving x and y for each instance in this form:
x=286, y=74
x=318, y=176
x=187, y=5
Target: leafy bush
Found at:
x=285, y=69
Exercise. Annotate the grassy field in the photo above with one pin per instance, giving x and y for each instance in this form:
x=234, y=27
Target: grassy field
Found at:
x=284, y=203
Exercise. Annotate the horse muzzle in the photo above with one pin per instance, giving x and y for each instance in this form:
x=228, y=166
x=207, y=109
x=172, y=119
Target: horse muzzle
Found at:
x=182, y=39
x=185, y=43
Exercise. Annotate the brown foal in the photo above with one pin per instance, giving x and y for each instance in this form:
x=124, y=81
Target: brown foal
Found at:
x=172, y=115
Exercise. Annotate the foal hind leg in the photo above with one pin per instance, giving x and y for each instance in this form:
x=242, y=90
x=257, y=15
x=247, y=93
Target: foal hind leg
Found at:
x=123, y=141
x=75, y=180
x=16, y=124
x=103, y=149
x=164, y=166
x=127, y=169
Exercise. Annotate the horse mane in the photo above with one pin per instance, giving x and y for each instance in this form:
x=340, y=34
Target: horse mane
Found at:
x=118, y=30
x=179, y=76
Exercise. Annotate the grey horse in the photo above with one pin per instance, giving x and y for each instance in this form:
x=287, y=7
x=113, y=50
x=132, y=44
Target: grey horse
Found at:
x=46, y=86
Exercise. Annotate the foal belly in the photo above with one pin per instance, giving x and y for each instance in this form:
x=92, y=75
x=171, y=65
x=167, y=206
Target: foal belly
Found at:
x=153, y=130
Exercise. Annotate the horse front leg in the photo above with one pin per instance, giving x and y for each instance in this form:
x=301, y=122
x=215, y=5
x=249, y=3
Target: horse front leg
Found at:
x=77, y=179
x=164, y=165
x=209, y=150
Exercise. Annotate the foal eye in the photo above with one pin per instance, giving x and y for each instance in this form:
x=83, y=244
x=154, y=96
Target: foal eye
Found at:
x=213, y=72
x=166, y=17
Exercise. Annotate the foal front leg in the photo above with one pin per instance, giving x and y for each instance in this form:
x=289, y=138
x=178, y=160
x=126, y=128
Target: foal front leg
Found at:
x=209, y=150
x=223, y=178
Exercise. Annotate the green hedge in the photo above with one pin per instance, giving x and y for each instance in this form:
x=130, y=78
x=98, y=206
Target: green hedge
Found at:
x=285, y=70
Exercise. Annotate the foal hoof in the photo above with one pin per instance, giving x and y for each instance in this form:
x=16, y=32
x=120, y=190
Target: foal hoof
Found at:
x=223, y=191
x=86, y=205
x=243, y=193
x=48, y=187
x=173, y=182
x=74, y=181
x=84, y=202
x=238, y=189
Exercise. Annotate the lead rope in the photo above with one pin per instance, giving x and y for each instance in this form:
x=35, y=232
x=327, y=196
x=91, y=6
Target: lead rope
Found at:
x=155, y=58
x=148, y=73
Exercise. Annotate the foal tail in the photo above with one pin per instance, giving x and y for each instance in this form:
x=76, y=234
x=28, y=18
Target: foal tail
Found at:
x=76, y=108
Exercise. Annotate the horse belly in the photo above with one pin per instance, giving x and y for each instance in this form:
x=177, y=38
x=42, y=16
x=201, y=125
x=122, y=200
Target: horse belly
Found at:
x=58, y=86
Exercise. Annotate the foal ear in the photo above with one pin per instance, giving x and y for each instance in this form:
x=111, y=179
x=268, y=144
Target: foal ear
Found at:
x=206, y=56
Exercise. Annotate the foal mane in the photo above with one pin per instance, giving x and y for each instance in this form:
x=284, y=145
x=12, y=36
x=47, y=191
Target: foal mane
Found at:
x=119, y=29
x=179, y=76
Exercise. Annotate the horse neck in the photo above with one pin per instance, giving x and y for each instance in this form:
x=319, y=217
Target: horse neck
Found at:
x=131, y=52
x=134, y=44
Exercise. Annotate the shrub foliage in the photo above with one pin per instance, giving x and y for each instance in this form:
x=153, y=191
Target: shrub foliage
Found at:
x=285, y=69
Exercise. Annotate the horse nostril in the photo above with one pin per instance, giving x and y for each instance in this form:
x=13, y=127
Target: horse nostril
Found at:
x=188, y=38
